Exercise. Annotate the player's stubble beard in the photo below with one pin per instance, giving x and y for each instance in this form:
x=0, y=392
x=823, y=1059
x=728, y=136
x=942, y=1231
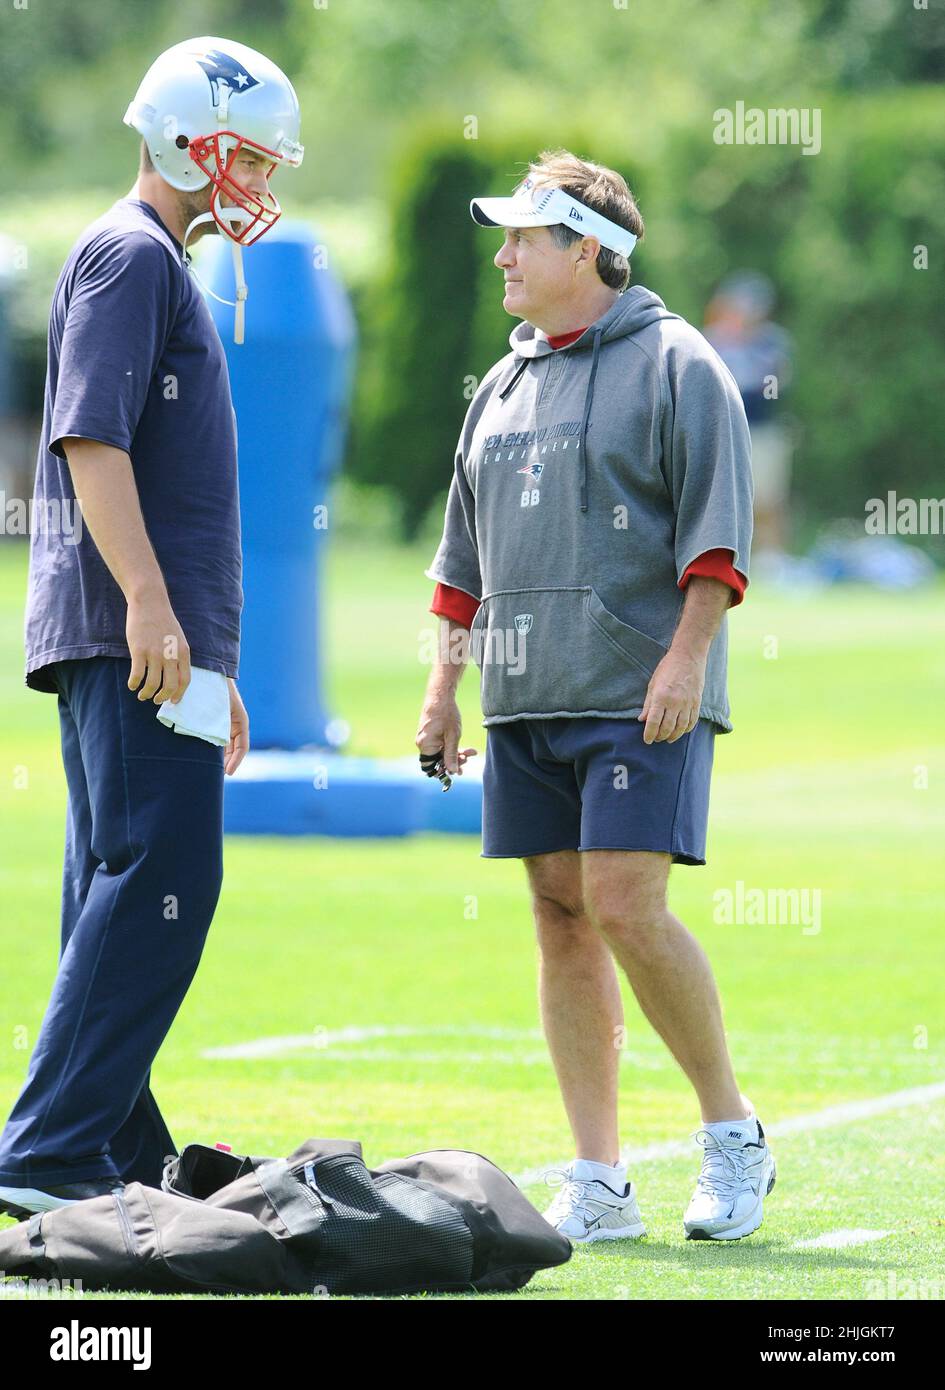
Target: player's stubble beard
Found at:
x=191, y=205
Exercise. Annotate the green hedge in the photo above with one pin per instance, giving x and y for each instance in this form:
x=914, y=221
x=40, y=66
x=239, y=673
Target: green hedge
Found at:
x=870, y=327
x=417, y=329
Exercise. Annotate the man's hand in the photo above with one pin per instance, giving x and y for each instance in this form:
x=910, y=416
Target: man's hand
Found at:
x=160, y=653
x=673, y=697
x=440, y=729
x=238, y=746
x=674, y=694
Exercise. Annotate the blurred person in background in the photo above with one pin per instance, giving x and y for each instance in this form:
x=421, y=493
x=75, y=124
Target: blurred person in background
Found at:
x=758, y=354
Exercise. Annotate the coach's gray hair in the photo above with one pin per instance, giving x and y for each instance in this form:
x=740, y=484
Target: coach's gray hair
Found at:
x=599, y=188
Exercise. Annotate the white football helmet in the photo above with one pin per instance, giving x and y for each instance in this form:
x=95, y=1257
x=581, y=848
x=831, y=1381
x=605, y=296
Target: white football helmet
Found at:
x=198, y=105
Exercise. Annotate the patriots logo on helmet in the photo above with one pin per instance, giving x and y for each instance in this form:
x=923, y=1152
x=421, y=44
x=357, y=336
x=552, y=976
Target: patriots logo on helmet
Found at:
x=533, y=470
x=223, y=71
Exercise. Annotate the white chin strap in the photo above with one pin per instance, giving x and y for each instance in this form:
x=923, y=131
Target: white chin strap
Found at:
x=231, y=215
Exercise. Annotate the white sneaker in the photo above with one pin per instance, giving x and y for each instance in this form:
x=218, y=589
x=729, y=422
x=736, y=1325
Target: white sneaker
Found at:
x=737, y=1174
x=585, y=1210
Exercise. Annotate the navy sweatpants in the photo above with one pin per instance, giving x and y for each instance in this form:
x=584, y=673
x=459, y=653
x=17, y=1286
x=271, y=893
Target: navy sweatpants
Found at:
x=142, y=874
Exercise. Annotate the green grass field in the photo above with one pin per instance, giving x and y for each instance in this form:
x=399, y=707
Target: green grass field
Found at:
x=832, y=781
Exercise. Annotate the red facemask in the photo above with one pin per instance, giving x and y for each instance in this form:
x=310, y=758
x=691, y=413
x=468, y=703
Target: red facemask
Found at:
x=207, y=154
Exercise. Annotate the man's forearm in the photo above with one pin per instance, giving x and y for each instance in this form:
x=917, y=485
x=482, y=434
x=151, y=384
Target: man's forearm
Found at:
x=451, y=658
x=108, y=496
x=703, y=610
x=105, y=487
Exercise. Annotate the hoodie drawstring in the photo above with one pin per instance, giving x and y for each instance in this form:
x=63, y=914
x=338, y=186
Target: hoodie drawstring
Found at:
x=588, y=400
x=514, y=380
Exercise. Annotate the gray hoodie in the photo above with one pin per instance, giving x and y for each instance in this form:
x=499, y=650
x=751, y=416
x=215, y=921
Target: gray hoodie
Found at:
x=586, y=481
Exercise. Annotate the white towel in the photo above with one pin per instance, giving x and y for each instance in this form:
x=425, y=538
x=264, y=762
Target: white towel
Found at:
x=203, y=711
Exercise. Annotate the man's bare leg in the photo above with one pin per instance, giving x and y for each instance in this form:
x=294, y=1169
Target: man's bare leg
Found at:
x=581, y=1007
x=624, y=896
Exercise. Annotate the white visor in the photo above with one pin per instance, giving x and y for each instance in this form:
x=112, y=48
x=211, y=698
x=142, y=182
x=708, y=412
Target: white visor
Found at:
x=546, y=207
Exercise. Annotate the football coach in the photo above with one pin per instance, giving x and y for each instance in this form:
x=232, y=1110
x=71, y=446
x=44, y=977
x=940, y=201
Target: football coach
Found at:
x=597, y=529
x=136, y=627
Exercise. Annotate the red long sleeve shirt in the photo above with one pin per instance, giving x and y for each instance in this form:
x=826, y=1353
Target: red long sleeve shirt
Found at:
x=713, y=564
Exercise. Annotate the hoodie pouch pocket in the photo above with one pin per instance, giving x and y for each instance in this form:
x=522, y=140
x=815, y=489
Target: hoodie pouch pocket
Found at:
x=545, y=652
x=630, y=641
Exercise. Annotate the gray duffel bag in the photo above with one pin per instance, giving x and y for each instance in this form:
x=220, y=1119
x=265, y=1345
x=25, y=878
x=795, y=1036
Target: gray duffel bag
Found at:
x=319, y=1221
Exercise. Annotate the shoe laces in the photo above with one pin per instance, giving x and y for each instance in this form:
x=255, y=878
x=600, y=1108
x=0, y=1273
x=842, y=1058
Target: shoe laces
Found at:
x=723, y=1169
x=569, y=1188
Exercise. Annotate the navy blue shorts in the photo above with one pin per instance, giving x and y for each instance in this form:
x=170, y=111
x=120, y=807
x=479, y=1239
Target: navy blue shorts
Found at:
x=591, y=783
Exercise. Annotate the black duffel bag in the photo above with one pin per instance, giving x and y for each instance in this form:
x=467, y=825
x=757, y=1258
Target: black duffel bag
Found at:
x=318, y=1221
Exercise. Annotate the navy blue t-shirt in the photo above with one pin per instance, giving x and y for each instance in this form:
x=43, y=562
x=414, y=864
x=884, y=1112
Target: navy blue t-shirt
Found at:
x=135, y=361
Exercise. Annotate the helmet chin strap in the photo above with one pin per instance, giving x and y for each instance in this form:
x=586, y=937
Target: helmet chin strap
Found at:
x=230, y=215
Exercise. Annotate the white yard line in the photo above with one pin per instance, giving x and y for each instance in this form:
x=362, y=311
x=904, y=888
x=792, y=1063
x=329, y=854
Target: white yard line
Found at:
x=325, y=1040
x=840, y=1240
x=390, y=1054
